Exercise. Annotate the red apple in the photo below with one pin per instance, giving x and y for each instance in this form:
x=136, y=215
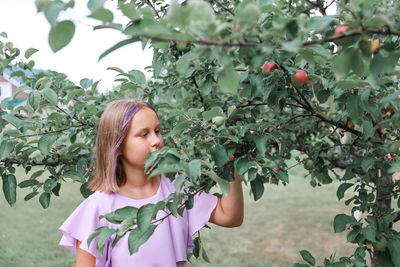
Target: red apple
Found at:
x=268, y=66
x=341, y=28
x=301, y=77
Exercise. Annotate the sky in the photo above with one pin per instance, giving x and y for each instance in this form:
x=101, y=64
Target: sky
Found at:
x=79, y=59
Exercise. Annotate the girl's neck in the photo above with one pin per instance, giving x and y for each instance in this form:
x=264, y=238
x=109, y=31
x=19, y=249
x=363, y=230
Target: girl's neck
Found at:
x=138, y=186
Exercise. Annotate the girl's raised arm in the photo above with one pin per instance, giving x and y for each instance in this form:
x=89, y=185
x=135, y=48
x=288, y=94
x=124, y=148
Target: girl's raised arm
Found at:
x=229, y=211
x=84, y=258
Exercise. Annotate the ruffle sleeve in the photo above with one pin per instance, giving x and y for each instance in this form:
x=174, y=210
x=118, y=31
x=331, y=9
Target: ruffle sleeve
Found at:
x=83, y=221
x=199, y=215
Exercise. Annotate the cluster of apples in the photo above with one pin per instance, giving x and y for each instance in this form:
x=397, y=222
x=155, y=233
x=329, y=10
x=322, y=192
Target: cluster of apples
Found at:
x=300, y=77
x=375, y=45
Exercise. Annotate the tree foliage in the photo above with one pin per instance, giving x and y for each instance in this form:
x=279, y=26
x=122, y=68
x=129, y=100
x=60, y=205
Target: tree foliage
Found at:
x=221, y=111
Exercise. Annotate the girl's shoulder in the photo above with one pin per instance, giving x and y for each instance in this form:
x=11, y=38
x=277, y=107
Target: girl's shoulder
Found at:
x=99, y=201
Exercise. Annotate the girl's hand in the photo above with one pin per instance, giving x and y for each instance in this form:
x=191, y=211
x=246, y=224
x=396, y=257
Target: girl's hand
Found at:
x=229, y=211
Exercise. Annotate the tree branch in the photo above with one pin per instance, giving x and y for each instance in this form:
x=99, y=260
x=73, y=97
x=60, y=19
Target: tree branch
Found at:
x=224, y=7
x=69, y=115
x=155, y=11
x=397, y=217
x=356, y=33
x=44, y=133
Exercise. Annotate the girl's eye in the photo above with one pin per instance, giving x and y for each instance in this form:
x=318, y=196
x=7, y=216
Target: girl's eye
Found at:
x=158, y=131
x=144, y=135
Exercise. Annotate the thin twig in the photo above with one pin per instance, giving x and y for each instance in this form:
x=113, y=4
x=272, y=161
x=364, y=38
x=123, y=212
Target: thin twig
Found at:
x=44, y=133
x=298, y=116
x=224, y=7
x=155, y=11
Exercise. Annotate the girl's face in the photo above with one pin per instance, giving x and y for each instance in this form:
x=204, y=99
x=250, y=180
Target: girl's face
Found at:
x=143, y=138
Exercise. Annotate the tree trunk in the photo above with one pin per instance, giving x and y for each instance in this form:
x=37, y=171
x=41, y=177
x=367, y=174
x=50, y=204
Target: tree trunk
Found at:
x=384, y=187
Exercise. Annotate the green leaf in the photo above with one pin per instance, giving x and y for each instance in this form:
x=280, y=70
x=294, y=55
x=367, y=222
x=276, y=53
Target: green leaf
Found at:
x=61, y=34
x=223, y=184
x=139, y=77
x=283, y=176
x=52, y=11
x=12, y=120
x=341, y=221
x=395, y=166
x=28, y=183
x=104, y=235
x=261, y=144
x=209, y=114
x=292, y=46
x=34, y=100
x=94, y=234
x=367, y=129
x=130, y=11
x=367, y=162
x=29, y=52
x=351, y=83
x=356, y=62
x=201, y=15
x=307, y=257
x=50, y=95
x=354, y=108
x=321, y=51
x=179, y=181
x=341, y=64
x=45, y=143
x=30, y=195
x=176, y=14
x=121, y=214
x=193, y=169
x=9, y=188
x=94, y=4
x=144, y=216
x=102, y=14
x=137, y=238
x=204, y=255
x=219, y=155
x=369, y=233
x=257, y=187
x=228, y=80
x=49, y=184
x=86, y=83
x=183, y=63
x=125, y=226
x=117, y=46
x=381, y=64
x=6, y=147
x=247, y=13
x=44, y=200
x=394, y=250
x=342, y=189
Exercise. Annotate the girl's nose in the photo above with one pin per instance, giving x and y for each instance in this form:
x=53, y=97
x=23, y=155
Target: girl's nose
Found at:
x=156, y=141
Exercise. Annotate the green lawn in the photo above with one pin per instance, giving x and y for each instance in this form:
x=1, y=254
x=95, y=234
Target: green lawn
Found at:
x=285, y=221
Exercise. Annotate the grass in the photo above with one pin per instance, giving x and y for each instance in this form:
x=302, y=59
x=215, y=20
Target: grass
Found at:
x=285, y=221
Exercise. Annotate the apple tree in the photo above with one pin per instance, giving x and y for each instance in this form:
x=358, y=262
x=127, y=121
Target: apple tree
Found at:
x=244, y=85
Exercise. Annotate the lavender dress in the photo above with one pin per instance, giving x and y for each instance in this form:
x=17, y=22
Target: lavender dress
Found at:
x=169, y=244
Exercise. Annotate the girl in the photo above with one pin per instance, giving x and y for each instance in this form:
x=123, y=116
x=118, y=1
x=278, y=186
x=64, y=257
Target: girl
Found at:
x=128, y=131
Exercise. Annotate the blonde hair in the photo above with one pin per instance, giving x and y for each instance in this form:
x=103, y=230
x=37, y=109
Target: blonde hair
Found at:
x=111, y=132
